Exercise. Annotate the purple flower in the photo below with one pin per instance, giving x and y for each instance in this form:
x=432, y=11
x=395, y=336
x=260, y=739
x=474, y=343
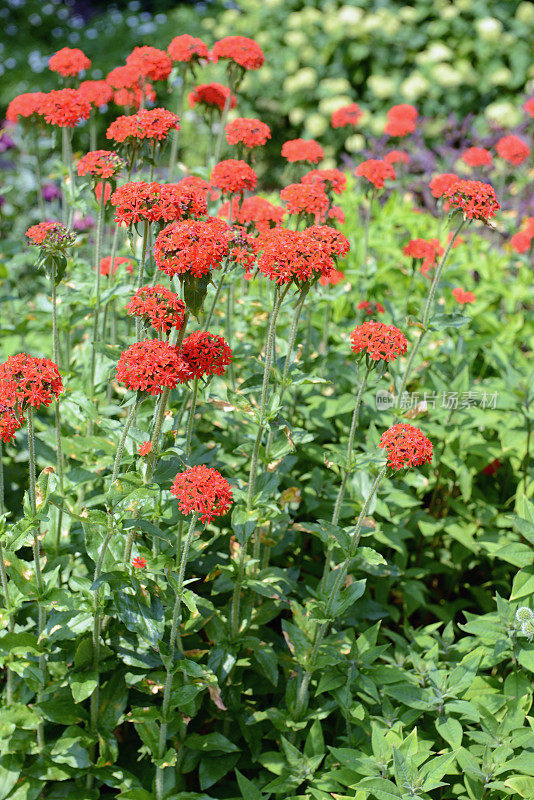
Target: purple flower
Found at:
x=50, y=192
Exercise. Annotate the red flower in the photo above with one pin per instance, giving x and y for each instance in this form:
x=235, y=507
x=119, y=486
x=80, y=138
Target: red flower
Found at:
x=305, y=199
x=292, y=256
x=426, y=249
x=492, y=467
x=335, y=277
x=139, y=562
x=145, y=448
x=51, y=236
x=529, y=106
x=205, y=354
x=521, y=241
x=253, y=211
x=249, y=132
x=24, y=105
x=155, y=123
x=330, y=179
x=233, y=176
x=378, y=341
x=335, y=212
x=529, y=226
x=159, y=307
x=186, y=48
x=64, y=108
x=193, y=246
x=376, y=172
x=212, y=95
x=406, y=446
x=151, y=365
x=475, y=199
x=442, y=183
x=104, y=163
x=370, y=308
x=203, y=491
x=347, y=115
x=128, y=91
x=105, y=265
x=397, y=157
x=463, y=297
x=25, y=381
x=332, y=241
x=153, y=202
x=513, y=149
x=150, y=63
x=401, y=120
x=98, y=93
x=68, y=62
x=242, y=51
x=302, y=150
x=477, y=157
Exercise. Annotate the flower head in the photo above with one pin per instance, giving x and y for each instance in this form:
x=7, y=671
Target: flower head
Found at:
x=98, y=93
x=24, y=105
x=53, y=237
x=477, y=200
x=397, y=157
x=521, y=241
x=529, y=106
x=103, y=163
x=347, y=115
x=150, y=62
x=64, y=108
x=156, y=202
x=401, y=120
x=248, y=132
x=462, y=297
x=332, y=180
x=406, y=446
x=157, y=306
x=302, y=150
x=335, y=277
x=154, y=124
x=442, y=183
x=145, y=448
x=477, y=157
x=127, y=87
x=186, y=48
x=192, y=246
x=376, y=172
x=105, y=265
x=205, y=353
x=233, y=176
x=203, y=491
x=513, y=149
x=212, y=95
x=69, y=61
x=378, y=341
x=150, y=366
x=139, y=562
x=426, y=249
x=370, y=307
x=25, y=381
x=332, y=242
x=255, y=211
x=303, y=198
x=292, y=256
x=244, y=52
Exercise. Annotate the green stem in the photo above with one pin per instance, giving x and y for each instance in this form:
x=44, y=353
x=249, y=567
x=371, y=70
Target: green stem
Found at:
x=180, y=110
x=92, y=133
x=190, y=420
x=217, y=294
x=98, y=253
x=38, y=172
x=57, y=415
x=140, y=275
x=68, y=212
x=224, y=117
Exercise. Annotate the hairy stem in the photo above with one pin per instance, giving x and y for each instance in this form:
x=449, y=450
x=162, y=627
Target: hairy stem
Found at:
x=98, y=253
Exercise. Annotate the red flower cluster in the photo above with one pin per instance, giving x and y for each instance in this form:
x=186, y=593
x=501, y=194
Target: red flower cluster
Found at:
x=441, y=184
x=406, y=446
x=24, y=105
x=513, y=149
x=335, y=277
x=128, y=92
x=463, y=297
x=139, y=562
x=401, y=120
x=150, y=63
x=68, y=61
x=529, y=106
x=477, y=157
x=426, y=249
x=186, y=48
x=378, y=341
x=249, y=132
x=303, y=198
x=292, y=256
x=202, y=490
x=253, y=211
x=212, y=95
x=64, y=108
x=376, y=172
x=397, y=157
x=103, y=163
x=145, y=448
x=205, y=354
x=233, y=176
x=347, y=115
x=370, y=308
x=242, y=51
x=194, y=246
x=302, y=150
x=51, y=236
x=333, y=242
x=150, y=366
x=477, y=200
x=25, y=381
x=98, y=93
x=521, y=241
x=155, y=123
x=157, y=306
x=330, y=179
x=139, y=200
x=105, y=265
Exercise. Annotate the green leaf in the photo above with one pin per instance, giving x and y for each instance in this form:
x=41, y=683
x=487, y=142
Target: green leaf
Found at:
x=10, y=772
x=249, y=790
x=148, y=620
x=523, y=785
x=381, y=788
x=451, y=730
x=211, y=743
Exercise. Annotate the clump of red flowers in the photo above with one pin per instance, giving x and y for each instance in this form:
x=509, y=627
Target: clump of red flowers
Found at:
x=212, y=95
x=248, y=132
x=440, y=184
x=370, y=307
x=477, y=157
x=476, y=200
x=378, y=341
x=305, y=199
x=69, y=62
x=308, y=150
x=127, y=88
x=64, y=108
x=192, y=246
x=397, y=157
x=98, y=93
x=139, y=562
x=53, y=237
x=335, y=277
x=24, y=105
x=462, y=297
x=103, y=163
x=202, y=490
x=233, y=176
x=150, y=62
x=332, y=180
x=150, y=366
x=292, y=256
x=25, y=381
x=154, y=202
x=186, y=48
x=253, y=211
x=426, y=249
x=521, y=241
x=529, y=107
x=244, y=52
x=513, y=149
x=406, y=446
x=157, y=306
x=155, y=124
x=401, y=120
x=332, y=241
x=105, y=265
x=376, y=172
x=347, y=115
x=205, y=353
